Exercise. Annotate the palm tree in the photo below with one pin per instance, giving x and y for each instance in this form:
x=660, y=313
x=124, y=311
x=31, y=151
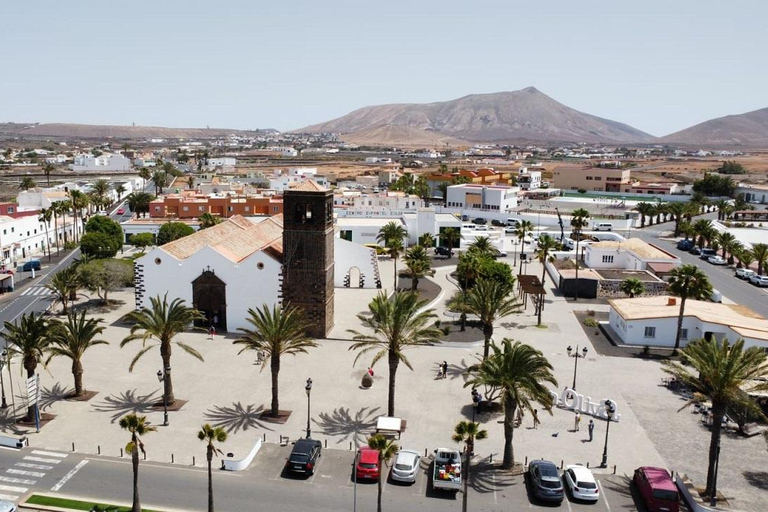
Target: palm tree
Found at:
x=659, y=210
x=29, y=339
x=55, y=210
x=482, y=246
x=726, y=241
x=392, y=235
x=546, y=245
x=579, y=220
x=522, y=230
x=688, y=282
x=162, y=321
x=71, y=339
x=721, y=205
x=632, y=287
x=490, y=300
x=398, y=323
x=451, y=237
x=276, y=332
x=678, y=211
x=79, y=201
x=519, y=372
x=207, y=220
x=27, y=183
x=145, y=174
x=725, y=374
x=160, y=179
x=418, y=265
x=119, y=190
x=746, y=258
x=387, y=449
x=61, y=284
x=760, y=253
x=427, y=240
x=47, y=170
x=191, y=181
x=138, y=427
x=100, y=189
x=645, y=210
x=702, y=229
x=45, y=219
x=209, y=435
x=467, y=432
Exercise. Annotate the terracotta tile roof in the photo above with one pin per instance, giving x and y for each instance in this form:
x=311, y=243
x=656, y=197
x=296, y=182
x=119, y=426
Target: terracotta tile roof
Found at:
x=236, y=239
x=309, y=186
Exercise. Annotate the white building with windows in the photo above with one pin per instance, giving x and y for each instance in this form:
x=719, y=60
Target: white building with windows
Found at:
x=528, y=179
x=478, y=198
x=652, y=321
x=281, y=180
x=632, y=254
x=101, y=163
x=383, y=204
x=222, y=162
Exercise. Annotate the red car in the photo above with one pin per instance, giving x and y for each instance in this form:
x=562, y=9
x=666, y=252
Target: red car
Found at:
x=367, y=464
x=657, y=489
x=120, y=211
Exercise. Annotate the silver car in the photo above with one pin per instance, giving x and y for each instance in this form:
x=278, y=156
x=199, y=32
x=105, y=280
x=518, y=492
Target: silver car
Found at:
x=7, y=506
x=406, y=465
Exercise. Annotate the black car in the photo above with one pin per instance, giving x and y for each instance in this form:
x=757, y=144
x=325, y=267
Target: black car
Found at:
x=443, y=251
x=695, y=251
x=707, y=253
x=496, y=222
x=544, y=481
x=685, y=245
x=304, y=456
x=480, y=221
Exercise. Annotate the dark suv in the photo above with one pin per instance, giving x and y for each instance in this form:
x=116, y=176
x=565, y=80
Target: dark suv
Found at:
x=480, y=221
x=443, y=251
x=545, y=481
x=304, y=456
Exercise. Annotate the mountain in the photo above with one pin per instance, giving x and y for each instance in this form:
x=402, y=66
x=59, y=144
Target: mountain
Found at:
x=526, y=115
x=90, y=131
x=394, y=135
x=750, y=129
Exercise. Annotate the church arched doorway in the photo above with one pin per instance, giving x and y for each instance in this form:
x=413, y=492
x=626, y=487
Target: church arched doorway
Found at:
x=209, y=296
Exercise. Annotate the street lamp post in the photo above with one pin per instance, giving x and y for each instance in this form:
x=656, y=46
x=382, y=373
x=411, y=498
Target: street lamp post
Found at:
x=308, y=389
x=575, y=354
x=476, y=398
x=2, y=380
x=162, y=375
x=610, y=408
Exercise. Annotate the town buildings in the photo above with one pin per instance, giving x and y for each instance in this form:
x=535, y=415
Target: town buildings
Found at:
x=631, y=254
x=102, y=163
x=528, y=179
x=191, y=205
x=474, y=198
x=600, y=179
x=483, y=176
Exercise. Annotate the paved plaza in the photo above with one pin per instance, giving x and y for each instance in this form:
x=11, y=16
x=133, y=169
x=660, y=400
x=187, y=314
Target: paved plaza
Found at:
x=231, y=390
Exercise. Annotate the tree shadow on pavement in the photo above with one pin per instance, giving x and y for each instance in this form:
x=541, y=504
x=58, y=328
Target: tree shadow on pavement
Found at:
x=346, y=427
x=8, y=423
x=488, y=477
x=236, y=417
x=459, y=371
x=125, y=403
x=49, y=396
x=624, y=486
x=757, y=479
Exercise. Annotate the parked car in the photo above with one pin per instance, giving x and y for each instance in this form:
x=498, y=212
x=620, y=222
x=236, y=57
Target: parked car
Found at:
x=581, y=483
x=759, y=280
x=481, y=228
x=510, y=230
x=443, y=251
x=480, y=221
x=102, y=213
x=304, y=456
x=707, y=253
x=31, y=265
x=120, y=211
x=717, y=260
x=499, y=254
x=367, y=464
x=406, y=466
x=496, y=222
x=695, y=251
x=513, y=222
x=657, y=489
x=7, y=506
x=685, y=245
x=745, y=273
x=603, y=226
x=545, y=481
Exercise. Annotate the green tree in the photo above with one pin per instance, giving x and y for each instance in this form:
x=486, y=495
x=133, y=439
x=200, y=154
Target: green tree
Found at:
x=79, y=202
x=138, y=202
x=71, y=339
x=579, y=221
x=277, y=331
x=467, y=432
x=645, y=210
x=450, y=238
x=427, y=240
x=145, y=174
x=746, y=258
x=101, y=224
x=491, y=300
x=731, y=167
x=171, y=231
x=702, y=228
x=418, y=265
x=62, y=284
x=103, y=276
x=725, y=374
x=760, y=253
x=632, y=287
x=47, y=170
x=391, y=235
x=387, y=449
x=678, y=211
x=519, y=372
x=482, y=246
x=45, y=218
x=138, y=427
x=28, y=338
x=119, y=190
x=27, y=183
x=160, y=180
x=100, y=189
x=210, y=435
x=726, y=241
x=207, y=220
x=142, y=240
x=688, y=282
x=546, y=246
x=99, y=245
x=162, y=321
x=523, y=230
x=397, y=323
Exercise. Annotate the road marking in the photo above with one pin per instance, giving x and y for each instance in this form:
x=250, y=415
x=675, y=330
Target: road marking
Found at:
x=11, y=488
x=69, y=475
x=50, y=454
x=605, y=498
x=17, y=480
x=25, y=473
x=40, y=459
x=148, y=465
x=32, y=466
x=9, y=497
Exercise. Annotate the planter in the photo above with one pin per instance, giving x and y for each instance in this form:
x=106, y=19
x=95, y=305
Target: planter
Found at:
x=367, y=380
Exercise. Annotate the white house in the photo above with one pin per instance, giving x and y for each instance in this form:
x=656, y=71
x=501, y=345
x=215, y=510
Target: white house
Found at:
x=477, y=198
x=281, y=181
x=652, y=321
x=383, y=204
x=101, y=163
x=632, y=254
x=223, y=162
x=365, y=229
x=528, y=180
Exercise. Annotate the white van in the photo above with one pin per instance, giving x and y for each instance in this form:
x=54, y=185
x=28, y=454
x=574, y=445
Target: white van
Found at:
x=513, y=222
x=603, y=226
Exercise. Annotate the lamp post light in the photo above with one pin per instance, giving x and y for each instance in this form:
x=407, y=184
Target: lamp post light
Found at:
x=308, y=389
x=161, y=377
x=575, y=354
x=610, y=408
x=2, y=380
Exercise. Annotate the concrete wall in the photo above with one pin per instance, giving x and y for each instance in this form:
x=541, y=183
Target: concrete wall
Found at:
x=355, y=264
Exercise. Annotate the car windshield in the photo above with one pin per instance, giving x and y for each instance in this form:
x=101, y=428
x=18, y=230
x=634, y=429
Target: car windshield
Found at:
x=299, y=457
x=550, y=484
x=665, y=495
x=586, y=485
x=403, y=467
x=367, y=465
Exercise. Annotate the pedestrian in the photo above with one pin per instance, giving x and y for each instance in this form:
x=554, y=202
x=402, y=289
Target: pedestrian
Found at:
x=591, y=429
x=576, y=421
x=215, y=320
x=212, y=331
x=536, y=421
x=370, y=371
x=445, y=369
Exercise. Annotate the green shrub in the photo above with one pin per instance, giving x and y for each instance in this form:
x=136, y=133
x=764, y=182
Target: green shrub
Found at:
x=591, y=322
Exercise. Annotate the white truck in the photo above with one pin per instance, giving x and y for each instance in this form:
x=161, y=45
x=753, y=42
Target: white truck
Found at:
x=446, y=474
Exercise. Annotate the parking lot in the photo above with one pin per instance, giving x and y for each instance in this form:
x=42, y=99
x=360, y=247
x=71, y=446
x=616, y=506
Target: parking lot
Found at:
x=490, y=488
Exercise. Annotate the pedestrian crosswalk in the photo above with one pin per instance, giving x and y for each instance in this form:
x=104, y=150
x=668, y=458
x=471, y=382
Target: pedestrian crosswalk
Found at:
x=40, y=291
x=27, y=472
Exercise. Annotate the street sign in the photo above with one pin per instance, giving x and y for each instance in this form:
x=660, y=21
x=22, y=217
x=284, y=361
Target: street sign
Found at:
x=33, y=389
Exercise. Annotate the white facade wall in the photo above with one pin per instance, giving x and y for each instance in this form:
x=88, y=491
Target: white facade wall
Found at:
x=25, y=237
x=222, y=162
x=529, y=180
x=482, y=198
x=106, y=162
x=355, y=264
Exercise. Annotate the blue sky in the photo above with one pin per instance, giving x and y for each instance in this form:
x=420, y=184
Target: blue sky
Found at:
x=658, y=66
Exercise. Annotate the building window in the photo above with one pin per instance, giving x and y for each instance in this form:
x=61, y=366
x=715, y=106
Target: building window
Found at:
x=683, y=334
x=247, y=208
x=650, y=332
x=589, y=178
x=10, y=209
x=202, y=208
x=598, y=178
x=607, y=258
x=185, y=208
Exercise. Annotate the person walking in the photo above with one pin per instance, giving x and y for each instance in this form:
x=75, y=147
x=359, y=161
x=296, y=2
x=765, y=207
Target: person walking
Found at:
x=576, y=421
x=536, y=421
x=444, y=367
x=591, y=428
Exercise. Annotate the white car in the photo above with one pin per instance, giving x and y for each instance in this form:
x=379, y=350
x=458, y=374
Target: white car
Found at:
x=745, y=273
x=7, y=506
x=406, y=466
x=581, y=483
x=759, y=280
x=481, y=228
x=510, y=230
x=717, y=260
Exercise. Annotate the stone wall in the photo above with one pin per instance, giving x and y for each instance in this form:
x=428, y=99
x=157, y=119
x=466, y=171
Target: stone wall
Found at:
x=611, y=288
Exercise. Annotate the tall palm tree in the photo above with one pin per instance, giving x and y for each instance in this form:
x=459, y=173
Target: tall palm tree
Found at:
x=207, y=220
x=579, y=220
x=55, y=209
x=702, y=229
x=519, y=372
x=28, y=338
x=523, y=230
x=210, y=435
x=490, y=300
x=119, y=190
x=79, y=202
x=427, y=240
x=398, y=323
x=546, y=245
x=418, y=265
x=450, y=237
x=688, y=282
x=387, y=449
x=632, y=287
x=191, y=181
x=277, y=331
x=482, y=246
x=760, y=253
x=71, y=339
x=721, y=205
x=163, y=322
x=725, y=374
x=392, y=235
x=160, y=180
x=61, y=284
x=645, y=210
x=45, y=219
x=659, y=211
x=47, y=170
x=100, y=189
x=746, y=258
x=138, y=427
x=145, y=174
x=27, y=182
x=726, y=241
x=467, y=432
x=678, y=211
